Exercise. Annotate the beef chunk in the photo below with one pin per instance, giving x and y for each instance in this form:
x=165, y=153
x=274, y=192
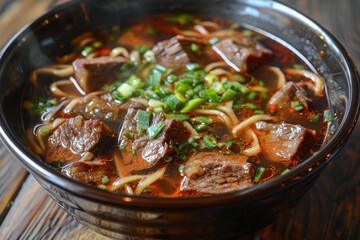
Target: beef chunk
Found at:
x=139, y=152
x=92, y=74
x=163, y=145
x=282, y=99
x=217, y=173
x=283, y=141
x=77, y=136
x=176, y=52
x=105, y=108
x=88, y=172
x=243, y=54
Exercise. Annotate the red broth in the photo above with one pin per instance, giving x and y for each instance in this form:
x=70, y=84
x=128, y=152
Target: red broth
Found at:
x=176, y=106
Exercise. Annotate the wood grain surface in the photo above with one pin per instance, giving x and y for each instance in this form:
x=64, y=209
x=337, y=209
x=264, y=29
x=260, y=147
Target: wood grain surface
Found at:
x=330, y=210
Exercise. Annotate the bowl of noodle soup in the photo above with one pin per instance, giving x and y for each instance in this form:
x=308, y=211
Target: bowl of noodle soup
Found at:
x=176, y=119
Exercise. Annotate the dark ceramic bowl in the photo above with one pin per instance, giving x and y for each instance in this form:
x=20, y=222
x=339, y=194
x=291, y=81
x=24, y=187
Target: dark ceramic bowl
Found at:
x=225, y=216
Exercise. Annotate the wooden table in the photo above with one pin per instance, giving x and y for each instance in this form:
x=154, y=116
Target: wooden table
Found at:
x=330, y=210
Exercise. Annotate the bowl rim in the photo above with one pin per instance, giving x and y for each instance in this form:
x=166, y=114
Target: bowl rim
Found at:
x=347, y=125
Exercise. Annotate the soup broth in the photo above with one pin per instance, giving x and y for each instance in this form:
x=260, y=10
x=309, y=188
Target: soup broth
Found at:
x=175, y=106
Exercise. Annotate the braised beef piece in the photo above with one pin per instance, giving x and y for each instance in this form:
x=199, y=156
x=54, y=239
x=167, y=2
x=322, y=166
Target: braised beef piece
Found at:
x=282, y=99
x=213, y=172
x=77, y=136
x=176, y=52
x=281, y=142
x=105, y=108
x=88, y=172
x=242, y=54
x=138, y=151
x=92, y=74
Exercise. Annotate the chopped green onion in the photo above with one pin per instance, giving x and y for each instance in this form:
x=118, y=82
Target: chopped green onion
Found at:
x=158, y=110
x=239, y=78
x=172, y=78
x=264, y=95
x=192, y=104
x=102, y=186
x=228, y=95
x=172, y=102
x=198, y=88
x=210, y=141
x=155, y=129
x=147, y=190
x=238, y=105
x=155, y=103
x=285, y=171
x=192, y=67
x=135, y=81
x=181, y=168
x=126, y=90
x=45, y=131
x=259, y=172
x=328, y=117
x=194, y=141
x=218, y=87
x=202, y=119
x=168, y=159
x=87, y=50
x=127, y=66
x=150, y=31
x=201, y=127
x=143, y=49
x=184, y=19
x=211, y=95
x=247, y=33
x=97, y=44
x=178, y=116
x=210, y=78
x=296, y=105
x=314, y=118
x=128, y=134
x=143, y=120
x=239, y=87
x=199, y=76
x=160, y=68
x=154, y=78
x=195, y=49
x=183, y=88
x=259, y=112
x=105, y=179
x=298, y=66
x=233, y=146
x=251, y=96
x=250, y=105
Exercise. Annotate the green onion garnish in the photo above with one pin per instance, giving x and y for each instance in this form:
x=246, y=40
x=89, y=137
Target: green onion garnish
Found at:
x=314, y=118
x=202, y=119
x=296, y=105
x=192, y=104
x=285, y=171
x=155, y=129
x=105, y=179
x=251, y=96
x=143, y=120
x=210, y=141
x=150, y=31
x=328, y=117
x=259, y=172
x=250, y=105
